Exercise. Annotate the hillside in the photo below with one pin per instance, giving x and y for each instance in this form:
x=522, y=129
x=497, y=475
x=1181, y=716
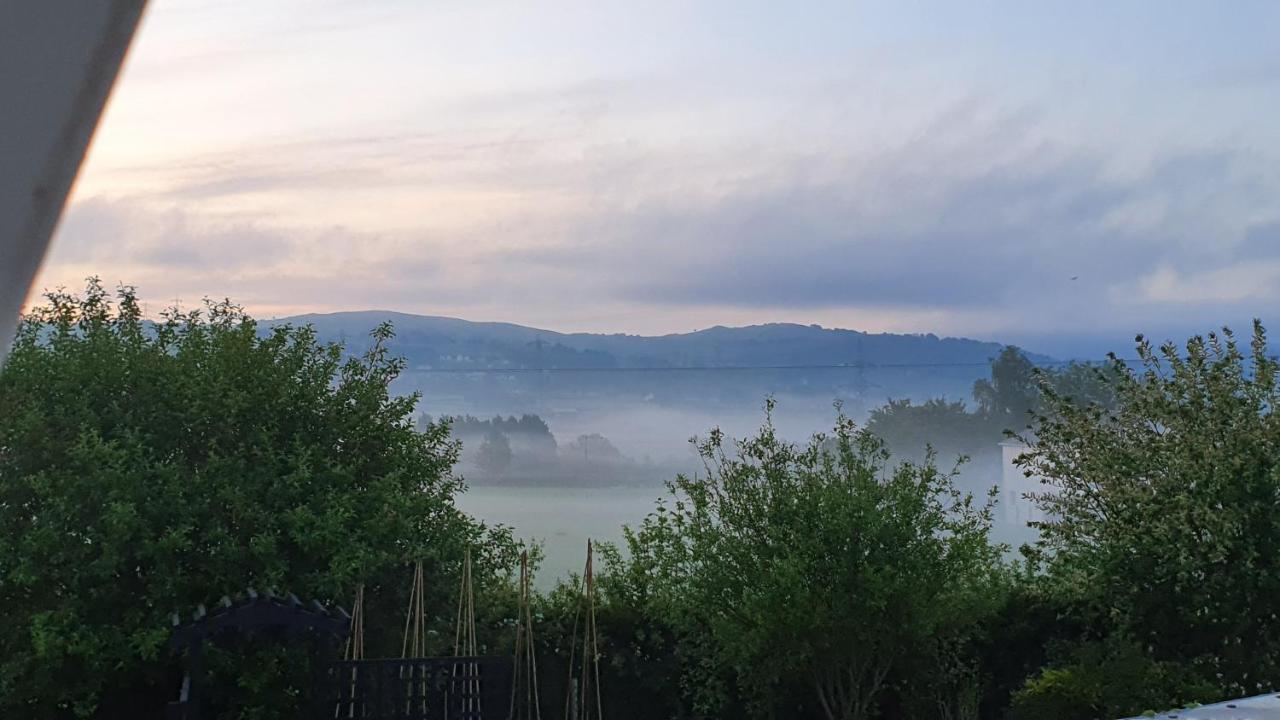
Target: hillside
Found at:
x=581, y=380
x=430, y=342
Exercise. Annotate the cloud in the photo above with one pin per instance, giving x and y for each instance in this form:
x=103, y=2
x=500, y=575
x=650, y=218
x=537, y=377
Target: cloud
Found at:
x=1240, y=282
x=971, y=217
x=167, y=238
x=1260, y=242
x=987, y=223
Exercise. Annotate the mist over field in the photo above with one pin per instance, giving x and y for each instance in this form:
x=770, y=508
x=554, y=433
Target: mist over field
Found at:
x=567, y=436
x=649, y=395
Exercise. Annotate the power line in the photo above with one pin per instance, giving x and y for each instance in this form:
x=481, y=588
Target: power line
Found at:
x=731, y=368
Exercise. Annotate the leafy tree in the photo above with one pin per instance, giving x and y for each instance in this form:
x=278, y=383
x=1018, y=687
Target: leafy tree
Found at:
x=911, y=431
x=813, y=569
x=1164, y=519
x=146, y=467
x=593, y=449
x=1011, y=393
x=494, y=456
x=1082, y=384
x=528, y=434
x=1006, y=401
x=1108, y=677
x=532, y=425
x=465, y=426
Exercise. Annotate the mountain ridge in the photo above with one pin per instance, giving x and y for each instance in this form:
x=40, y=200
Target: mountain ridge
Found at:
x=435, y=341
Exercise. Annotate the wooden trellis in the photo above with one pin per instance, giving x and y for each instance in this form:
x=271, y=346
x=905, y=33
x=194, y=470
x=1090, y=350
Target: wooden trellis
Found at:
x=450, y=688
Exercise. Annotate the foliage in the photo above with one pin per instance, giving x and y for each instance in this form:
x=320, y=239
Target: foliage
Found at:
x=593, y=449
x=1006, y=401
x=1011, y=392
x=522, y=451
x=948, y=427
x=464, y=426
x=146, y=467
x=1115, y=677
x=638, y=650
x=1015, y=642
x=1081, y=384
x=791, y=568
x=494, y=456
x=1164, y=512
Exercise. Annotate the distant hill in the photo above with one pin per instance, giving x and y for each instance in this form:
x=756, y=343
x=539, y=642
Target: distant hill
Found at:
x=442, y=343
x=482, y=368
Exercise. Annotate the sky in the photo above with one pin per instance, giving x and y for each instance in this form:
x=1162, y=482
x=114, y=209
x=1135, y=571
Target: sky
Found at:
x=1057, y=175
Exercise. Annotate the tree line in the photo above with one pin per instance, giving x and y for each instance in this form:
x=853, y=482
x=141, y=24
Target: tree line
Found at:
x=523, y=451
x=149, y=466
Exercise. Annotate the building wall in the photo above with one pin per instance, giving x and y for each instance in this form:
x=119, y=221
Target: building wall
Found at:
x=1014, y=485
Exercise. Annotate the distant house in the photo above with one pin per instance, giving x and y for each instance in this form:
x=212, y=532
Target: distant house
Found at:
x=1014, y=507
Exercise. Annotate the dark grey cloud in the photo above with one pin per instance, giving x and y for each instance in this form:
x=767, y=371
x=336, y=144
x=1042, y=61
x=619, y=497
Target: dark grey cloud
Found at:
x=1004, y=235
x=1261, y=242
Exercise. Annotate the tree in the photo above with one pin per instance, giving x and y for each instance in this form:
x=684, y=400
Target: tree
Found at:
x=1005, y=402
x=911, y=430
x=146, y=467
x=593, y=449
x=810, y=569
x=1011, y=392
x=1082, y=384
x=1165, y=522
x=494, y=455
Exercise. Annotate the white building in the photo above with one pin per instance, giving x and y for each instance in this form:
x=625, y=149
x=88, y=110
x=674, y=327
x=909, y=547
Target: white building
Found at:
x=1014, y=507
